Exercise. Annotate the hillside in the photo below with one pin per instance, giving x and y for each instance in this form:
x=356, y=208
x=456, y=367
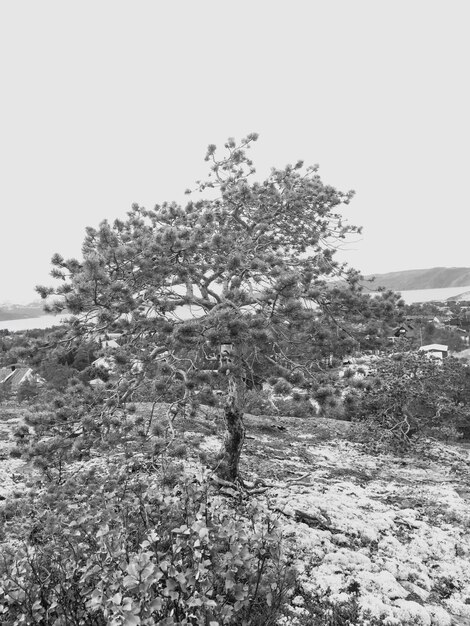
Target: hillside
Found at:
x=10, y=311
x=433, y=278
x=462, y=297
x=379, y=535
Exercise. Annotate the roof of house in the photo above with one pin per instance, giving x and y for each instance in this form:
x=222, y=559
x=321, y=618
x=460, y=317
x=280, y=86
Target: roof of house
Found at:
x=5, y=373
x=20, y=374
x=106, y=362
x=435, y=347
x=97, y=382
x=403, y=329
x=109, y=343
x=15, y=374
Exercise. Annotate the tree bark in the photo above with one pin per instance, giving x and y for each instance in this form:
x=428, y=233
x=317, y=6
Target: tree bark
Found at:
x=235, y=435
x=234, y=439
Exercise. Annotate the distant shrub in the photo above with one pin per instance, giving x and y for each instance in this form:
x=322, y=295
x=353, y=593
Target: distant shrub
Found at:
x=296, y=408
x=27, y=391
x=325, y=392
x=336, y=412
x=282, y=387
x=261, y=403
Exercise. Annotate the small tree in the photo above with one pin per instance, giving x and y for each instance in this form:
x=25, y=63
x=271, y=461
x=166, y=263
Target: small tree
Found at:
x=5, y=392
x=242, y=279
x=28, y=390
x=414, y=396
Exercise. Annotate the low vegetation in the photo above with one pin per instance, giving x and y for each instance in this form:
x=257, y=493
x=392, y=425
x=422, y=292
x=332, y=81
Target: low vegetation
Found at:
x=170, y=461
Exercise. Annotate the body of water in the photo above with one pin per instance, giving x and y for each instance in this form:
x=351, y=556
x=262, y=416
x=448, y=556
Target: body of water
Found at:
x=30, y=323
x=427, y=295
x=410, y=297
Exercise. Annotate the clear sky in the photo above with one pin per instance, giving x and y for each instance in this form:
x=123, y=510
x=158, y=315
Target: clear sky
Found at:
x=105, y=102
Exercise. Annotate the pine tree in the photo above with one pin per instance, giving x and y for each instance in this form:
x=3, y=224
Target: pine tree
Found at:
x=241, y=276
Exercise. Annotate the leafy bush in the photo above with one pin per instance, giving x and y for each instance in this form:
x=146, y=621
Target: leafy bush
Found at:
x=115, y=551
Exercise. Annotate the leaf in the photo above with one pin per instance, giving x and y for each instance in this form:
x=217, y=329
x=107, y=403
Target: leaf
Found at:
x=130, y=581
x=104, y=530
x=147, y=571
x=240, y=593
x=132, y=570
x=131, y=620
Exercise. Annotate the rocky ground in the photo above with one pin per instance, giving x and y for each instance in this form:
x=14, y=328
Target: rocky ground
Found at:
x=12, y=471
x=394, y=532
x=391, y=532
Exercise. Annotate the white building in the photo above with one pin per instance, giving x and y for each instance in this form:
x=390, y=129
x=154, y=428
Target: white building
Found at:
x=435, y=350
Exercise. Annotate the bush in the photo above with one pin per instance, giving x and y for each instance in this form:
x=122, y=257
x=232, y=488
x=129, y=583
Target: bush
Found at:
x=296, y=408
x=324, y=393
x=411, y=398
x=28, y=391
x=259, y=403
x=139, y=555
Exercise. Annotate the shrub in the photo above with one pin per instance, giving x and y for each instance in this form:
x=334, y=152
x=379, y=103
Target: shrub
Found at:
x=139, y=555
x=259, y=403
x=27, y=391
x=296, y=408
x=325, y=392
x=411, y=398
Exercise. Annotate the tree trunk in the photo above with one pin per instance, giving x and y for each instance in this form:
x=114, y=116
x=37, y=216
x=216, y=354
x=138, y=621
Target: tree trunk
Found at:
x=233, y=444
x=235, y=435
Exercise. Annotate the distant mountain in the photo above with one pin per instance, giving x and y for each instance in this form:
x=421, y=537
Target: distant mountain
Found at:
x=462, y=297
x=434, y=278
x=9, y=311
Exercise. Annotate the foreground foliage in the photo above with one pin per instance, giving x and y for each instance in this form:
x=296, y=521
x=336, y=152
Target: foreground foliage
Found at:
x=110, y=549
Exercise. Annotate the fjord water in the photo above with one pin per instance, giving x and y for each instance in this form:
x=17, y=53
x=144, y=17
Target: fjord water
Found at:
x=411, y=296
x=428, y=295
x=30, y=323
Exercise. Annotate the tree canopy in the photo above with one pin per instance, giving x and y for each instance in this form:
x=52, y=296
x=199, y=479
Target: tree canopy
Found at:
x=242, y=279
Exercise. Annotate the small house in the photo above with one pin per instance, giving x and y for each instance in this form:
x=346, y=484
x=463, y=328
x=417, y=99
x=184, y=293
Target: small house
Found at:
x=435, y=350
x=405, y=330
x=13, y=376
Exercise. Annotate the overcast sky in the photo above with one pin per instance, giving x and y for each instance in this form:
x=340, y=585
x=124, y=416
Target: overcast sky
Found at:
x=105, y=103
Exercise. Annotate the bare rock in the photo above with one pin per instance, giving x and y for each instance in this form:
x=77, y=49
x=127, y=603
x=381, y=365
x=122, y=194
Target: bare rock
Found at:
x=412, y=612
x=422, y=594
